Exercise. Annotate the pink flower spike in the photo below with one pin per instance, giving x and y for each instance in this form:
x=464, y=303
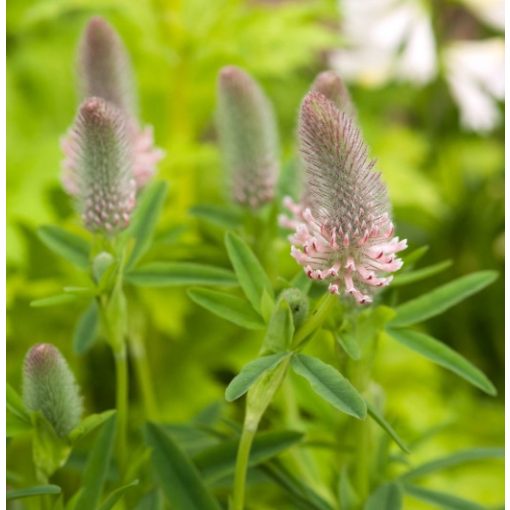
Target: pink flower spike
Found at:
x=344, y=234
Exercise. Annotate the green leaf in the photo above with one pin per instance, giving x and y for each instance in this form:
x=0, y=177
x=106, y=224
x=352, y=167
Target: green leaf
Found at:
x=219, y=461
x=144, y=220
x=251, y=275
x=330, y=385
x=174, y=274
x=381, y=421
x=440, y=299
x=441, y=354
x=241, y=383
x=115, y=496
x=69, y=246
x=440, y=499
x=347, y=496
x=15, y=404
x=453, y=460
x=86, y=329
x=89, y=424
x=97, y=467
x=226, y=306
x=217, y=215
x=299, y=493
x=280, y=329
x=178, y=477
x=420, y=274
x=385, y=497
x=349, y=343
x=58, y=299
x=38, y=490
x=415, y=255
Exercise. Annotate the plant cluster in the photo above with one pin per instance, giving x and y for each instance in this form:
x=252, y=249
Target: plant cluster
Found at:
x=340, y=231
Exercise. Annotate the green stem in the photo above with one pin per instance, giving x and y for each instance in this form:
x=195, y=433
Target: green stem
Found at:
x=142, y=368
x=243, y=456
x=258, y=399
x=121, y=394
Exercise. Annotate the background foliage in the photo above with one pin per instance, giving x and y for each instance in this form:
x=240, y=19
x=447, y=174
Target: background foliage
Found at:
x=446, y=186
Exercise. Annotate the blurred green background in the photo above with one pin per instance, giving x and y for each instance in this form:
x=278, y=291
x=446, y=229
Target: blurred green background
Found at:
x=446, y=184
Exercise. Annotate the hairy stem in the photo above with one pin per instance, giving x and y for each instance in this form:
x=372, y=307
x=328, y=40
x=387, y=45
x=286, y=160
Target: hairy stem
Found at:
x=121, y=370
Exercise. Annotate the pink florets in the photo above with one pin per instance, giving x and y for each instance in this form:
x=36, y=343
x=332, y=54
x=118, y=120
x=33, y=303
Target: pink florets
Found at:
x=351, y=266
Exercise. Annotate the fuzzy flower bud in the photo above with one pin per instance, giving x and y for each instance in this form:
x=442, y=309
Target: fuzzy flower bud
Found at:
x=102, y=166
x=49, y=386
x=331, y=86
x=104, y=71
x=344, y=234
x=248, y=137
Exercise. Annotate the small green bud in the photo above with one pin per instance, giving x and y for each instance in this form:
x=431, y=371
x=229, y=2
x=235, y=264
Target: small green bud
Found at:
x=298, y=303
x=49, y=386
x=101, y=264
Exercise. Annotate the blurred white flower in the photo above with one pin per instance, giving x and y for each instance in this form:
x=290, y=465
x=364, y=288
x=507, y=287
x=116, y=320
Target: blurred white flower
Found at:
x=475, y=73
x=491, y=12
x=386, y=39
x=390, y=40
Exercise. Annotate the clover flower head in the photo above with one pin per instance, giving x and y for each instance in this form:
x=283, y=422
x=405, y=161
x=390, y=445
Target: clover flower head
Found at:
x=248, y=137
x=343, y=233
x=99, y=159
x=104, y=71
x=104, y=67
x=49, y=386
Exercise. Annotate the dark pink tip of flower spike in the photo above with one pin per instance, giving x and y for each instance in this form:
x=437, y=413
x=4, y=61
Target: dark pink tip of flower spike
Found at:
x=330, y=85
x=41, y=357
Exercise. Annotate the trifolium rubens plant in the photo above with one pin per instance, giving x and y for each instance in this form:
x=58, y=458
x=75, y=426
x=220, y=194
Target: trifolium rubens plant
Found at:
x=296, y=275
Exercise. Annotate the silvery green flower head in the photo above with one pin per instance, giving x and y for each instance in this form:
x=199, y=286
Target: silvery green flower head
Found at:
x=104, y=71
x=99, y=145
x=344, y=233
x=49, y=386
x=248, y=137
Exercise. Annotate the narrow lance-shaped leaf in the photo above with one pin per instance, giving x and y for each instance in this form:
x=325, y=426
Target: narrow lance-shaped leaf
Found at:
x=90, y=423
x=252, y=277
x=177, y=475
x=173, y=274
x=280, y=329
x=409, y=277
x=144, y=220
x=217, y=215
x=56, y=300
x=440, y=299
x=38, y=490
x=330, y=385
x=219, y=461
x=97, y=466
x=68, y=246
x=115, y=496
x=381, y=421
x=241, y=383
x=444, y=356
x=440, y=499
x=86, y=329
x=455, y=459
x=228, y=307
x=385, y=497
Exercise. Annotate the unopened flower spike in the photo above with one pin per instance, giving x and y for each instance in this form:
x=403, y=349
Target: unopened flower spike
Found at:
x=248, y=137
x=49, y=386
x=101, y=157
x=330, y=85
x=104, y=70
x=344, y=234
